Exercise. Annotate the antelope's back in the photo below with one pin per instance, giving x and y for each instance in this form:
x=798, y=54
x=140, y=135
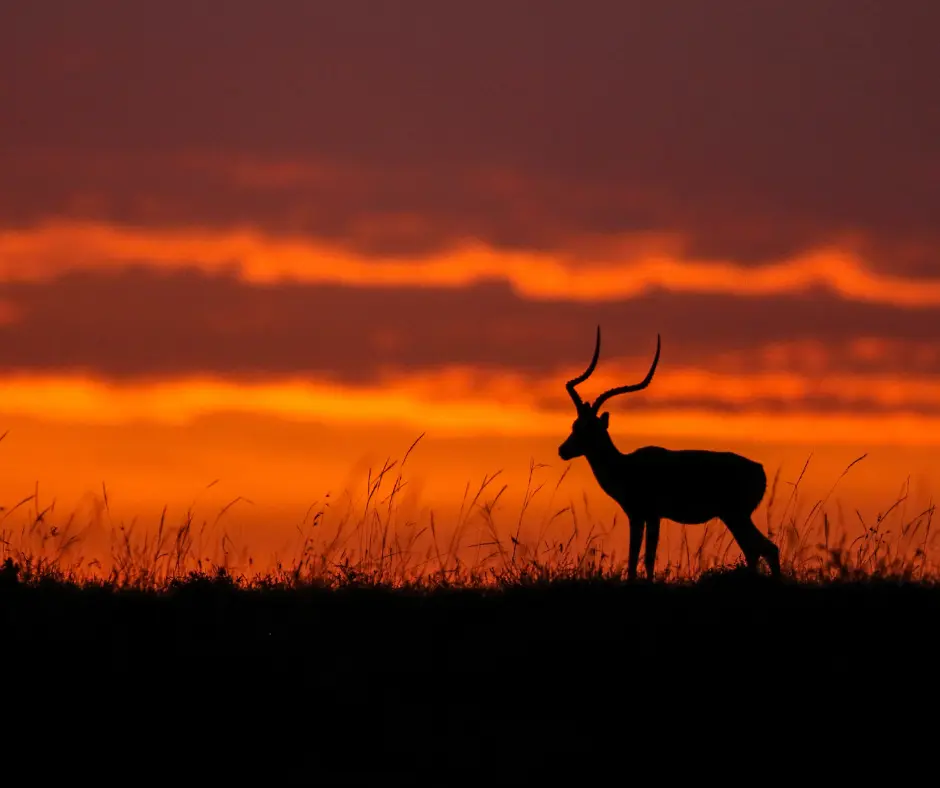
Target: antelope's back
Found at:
x=696, y=485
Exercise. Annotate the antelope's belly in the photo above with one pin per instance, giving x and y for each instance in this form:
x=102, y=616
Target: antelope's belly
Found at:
x=687, y=512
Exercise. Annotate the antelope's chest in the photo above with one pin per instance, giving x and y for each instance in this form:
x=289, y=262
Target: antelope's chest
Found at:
x=642, y=479
x=616, y=484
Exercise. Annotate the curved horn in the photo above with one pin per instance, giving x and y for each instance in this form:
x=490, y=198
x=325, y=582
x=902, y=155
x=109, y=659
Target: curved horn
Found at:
x=576, y=398
x=635, y=387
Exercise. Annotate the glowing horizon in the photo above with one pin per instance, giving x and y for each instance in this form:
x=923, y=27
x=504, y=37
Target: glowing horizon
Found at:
x=444, y=402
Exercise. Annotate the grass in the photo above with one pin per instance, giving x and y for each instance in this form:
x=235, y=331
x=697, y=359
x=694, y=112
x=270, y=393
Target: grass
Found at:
x=387, y=649
x=367, y=542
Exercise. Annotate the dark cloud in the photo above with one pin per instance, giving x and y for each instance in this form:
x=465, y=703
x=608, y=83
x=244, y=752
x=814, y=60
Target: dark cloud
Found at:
x=755, y=129
x=144, y=323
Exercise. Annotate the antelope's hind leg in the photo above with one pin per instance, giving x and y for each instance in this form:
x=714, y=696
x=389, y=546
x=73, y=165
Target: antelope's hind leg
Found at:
x=771, y=553
x=652, y=541
x=753, y=543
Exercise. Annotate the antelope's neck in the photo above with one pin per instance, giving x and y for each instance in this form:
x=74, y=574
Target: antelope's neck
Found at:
x=605, y=460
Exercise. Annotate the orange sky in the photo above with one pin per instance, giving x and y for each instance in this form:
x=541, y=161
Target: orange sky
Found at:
x=280, y=255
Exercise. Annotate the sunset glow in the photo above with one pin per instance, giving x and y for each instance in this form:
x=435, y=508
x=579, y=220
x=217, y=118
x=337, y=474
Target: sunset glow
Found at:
x=282, y=254
x=450, y=405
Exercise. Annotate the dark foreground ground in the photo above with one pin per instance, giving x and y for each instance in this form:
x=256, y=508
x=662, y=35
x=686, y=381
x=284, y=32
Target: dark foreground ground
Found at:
x=377, y=687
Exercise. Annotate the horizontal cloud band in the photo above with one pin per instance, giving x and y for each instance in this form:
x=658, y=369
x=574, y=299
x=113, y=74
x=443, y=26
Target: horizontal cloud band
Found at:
x=49, y=249
x=417, y=404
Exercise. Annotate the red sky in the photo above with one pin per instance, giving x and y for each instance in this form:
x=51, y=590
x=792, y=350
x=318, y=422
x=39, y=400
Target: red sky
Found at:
x=272, y=244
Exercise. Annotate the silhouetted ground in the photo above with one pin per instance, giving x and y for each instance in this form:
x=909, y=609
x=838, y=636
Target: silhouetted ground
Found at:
x=348, y=683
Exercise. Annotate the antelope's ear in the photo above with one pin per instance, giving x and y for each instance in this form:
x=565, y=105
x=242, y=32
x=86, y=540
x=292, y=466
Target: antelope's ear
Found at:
x=605, y=416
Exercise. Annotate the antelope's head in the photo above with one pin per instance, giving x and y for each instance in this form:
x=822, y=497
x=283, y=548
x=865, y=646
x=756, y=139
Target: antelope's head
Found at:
x=590, y=429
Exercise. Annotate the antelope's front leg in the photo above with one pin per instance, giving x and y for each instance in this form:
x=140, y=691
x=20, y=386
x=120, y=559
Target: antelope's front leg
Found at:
x=636, y=538
x=652, y=540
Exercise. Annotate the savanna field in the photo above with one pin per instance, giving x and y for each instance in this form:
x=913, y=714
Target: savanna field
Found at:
x=385, y=647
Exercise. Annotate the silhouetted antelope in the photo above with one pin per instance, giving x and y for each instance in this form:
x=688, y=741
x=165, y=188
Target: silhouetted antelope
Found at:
x=652, y=483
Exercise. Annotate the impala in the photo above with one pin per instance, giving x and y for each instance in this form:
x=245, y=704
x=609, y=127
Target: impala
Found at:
x=652, y=483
